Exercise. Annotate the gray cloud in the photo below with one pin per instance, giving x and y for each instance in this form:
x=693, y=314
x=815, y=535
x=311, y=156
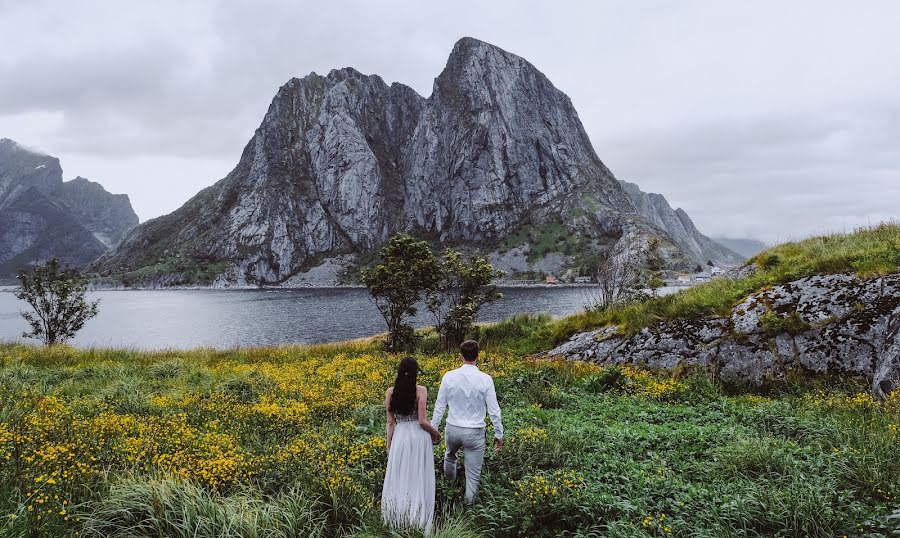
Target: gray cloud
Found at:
x=769, y=119
x=775, y=178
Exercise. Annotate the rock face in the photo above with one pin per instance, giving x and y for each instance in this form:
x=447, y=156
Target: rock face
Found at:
x=834, y=323
x=678, y=225
x=108, y=216
x=41, y=216
x=341, y=162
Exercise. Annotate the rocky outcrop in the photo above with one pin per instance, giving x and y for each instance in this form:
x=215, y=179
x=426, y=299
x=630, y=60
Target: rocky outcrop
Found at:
x=679, y=226
x=834, y=323
x=41, y=216
x=342, y=161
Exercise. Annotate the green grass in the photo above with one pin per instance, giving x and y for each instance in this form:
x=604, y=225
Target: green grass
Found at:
x=867, y=252
x=591, y=452
x=629, y=453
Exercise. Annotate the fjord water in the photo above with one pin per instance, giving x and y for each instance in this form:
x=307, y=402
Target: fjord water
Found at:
x=157, y=319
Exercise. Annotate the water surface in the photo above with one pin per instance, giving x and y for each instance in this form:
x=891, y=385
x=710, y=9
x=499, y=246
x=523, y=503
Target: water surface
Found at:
x=154, y=319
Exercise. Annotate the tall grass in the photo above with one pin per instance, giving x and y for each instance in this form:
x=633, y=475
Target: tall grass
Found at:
x=165, y=507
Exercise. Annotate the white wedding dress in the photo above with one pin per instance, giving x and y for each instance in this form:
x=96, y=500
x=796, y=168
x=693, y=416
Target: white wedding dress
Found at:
x=407, y=498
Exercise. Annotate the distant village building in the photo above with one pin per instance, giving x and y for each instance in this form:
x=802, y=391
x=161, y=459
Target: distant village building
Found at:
x=684, y=279
x=701, y=278
x=551, y=279
x=582, y=280
x=717, y=271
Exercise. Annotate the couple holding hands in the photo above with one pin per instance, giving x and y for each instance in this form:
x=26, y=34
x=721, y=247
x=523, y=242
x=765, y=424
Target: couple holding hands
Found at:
x=407, y=498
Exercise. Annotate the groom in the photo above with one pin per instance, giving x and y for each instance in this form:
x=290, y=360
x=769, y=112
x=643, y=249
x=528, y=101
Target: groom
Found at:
x=468, y=392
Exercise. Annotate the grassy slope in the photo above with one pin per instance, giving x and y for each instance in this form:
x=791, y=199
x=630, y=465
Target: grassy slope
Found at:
x=868, y=251
x=287, y=441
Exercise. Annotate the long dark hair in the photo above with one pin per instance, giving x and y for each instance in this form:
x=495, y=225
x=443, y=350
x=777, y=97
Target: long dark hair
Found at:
x=403, y=399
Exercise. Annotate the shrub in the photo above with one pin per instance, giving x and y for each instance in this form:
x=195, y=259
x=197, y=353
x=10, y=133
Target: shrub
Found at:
x=771, y=261
x=56, y=295
x=611, y=378
x=773, y=324
x=462, y=287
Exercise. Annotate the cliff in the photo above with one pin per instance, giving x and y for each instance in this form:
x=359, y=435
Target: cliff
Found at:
x=41, y=216
x=342, y=161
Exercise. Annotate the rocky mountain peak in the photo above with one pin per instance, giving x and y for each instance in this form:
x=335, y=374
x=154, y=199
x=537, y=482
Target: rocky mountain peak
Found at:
x=41, y=216
x=22, y=168
x=107, y=216
x=342, y=161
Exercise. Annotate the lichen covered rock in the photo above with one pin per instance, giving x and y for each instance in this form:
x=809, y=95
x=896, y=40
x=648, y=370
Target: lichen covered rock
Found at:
x=837, y=323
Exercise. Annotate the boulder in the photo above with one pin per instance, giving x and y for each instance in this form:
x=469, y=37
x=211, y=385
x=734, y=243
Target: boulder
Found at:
x=838, y=323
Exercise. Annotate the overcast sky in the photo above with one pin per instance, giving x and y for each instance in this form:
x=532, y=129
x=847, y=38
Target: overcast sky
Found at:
x=765, y=119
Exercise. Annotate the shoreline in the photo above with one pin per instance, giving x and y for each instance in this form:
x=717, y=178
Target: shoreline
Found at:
x=292, y=288
x=11, y=288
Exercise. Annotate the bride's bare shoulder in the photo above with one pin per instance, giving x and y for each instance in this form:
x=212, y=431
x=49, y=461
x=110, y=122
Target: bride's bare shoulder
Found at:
x=389, y=391
x=421, y=388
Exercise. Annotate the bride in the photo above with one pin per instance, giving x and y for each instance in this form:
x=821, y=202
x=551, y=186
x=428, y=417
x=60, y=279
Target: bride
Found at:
x=407, y=499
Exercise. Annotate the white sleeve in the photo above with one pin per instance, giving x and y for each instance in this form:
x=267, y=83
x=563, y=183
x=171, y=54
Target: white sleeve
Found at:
x=440, y=405
x=493, y=408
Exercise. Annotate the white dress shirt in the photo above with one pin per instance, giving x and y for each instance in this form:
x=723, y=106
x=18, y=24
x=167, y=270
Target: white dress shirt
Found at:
x=468, y=391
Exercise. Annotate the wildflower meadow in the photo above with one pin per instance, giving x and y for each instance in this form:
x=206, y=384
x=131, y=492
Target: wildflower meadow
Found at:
x=290, y=442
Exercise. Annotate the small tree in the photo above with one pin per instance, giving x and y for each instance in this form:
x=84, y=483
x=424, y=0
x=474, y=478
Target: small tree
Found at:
x=620, y=278
x=656, y=281
x=462, y=288
x=57, y=297
x=407, y=269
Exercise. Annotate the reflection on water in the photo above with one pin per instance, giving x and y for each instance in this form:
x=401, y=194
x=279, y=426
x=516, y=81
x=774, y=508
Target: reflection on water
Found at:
x=238, y=318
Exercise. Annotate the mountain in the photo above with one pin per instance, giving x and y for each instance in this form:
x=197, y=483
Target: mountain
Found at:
x=41, y=216
x=495, y=160
x=678, y=225
x=108, y=216
x=744, y=246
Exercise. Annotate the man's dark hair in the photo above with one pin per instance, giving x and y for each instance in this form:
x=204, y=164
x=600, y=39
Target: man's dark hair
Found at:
x=469, y=350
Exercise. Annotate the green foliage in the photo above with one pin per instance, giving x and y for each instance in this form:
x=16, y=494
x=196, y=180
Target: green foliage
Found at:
x=544, y=239
x=193, y=271
x=656, y=282
x=56, y=295
x=407, y=269
x=463, y=286
x=773, y=323
x=608, y=379
x=771, y=261
x=590, y=452
x=876, y=249
x=873, y=268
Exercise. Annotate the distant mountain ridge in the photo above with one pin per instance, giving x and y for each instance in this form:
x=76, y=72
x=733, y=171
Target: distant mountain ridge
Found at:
x=679, y=226
x=744, y=246
x=41, y=216
x=340, y=162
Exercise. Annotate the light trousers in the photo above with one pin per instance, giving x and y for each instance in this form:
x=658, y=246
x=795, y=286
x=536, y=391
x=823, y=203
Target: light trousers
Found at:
x=471, y=441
